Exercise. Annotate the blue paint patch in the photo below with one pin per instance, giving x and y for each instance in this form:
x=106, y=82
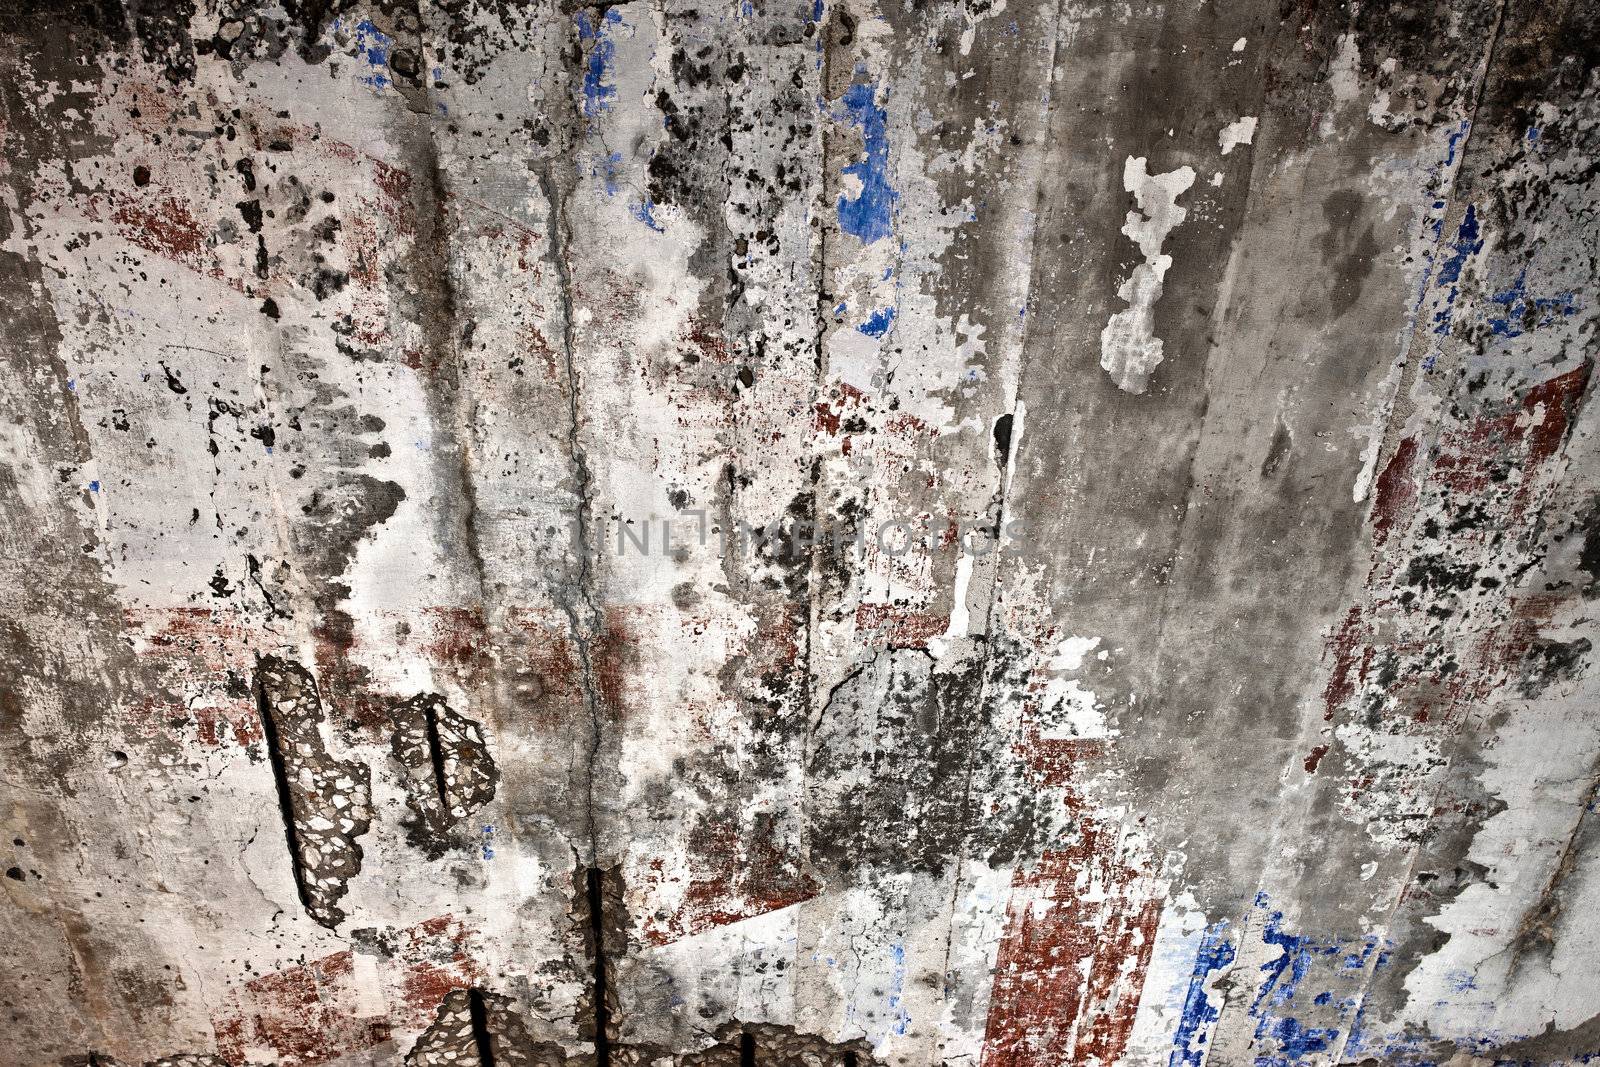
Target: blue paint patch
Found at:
x=644, y=211
x=1524, y=313
x=598, y=89
x=901, y=1018
x=94, y=487
x=1456, y=137
x=879, y=323
x=1216, y=952
x=372, y=52
x=606, y=171
x=1289, y=1040
x=1468, y=242
x=870, y=215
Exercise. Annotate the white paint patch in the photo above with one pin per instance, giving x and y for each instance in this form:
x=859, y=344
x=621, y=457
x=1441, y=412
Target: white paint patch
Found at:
x=959, y=618
x=1344, y=80
x=1070, y=710
x=1167, y=982
x=1238, y=46
x=1070, y=653
x=1238, y=132
x=1129, y=349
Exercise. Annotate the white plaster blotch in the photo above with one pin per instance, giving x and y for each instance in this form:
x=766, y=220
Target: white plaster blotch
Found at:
x=1129, y=349
x=1070, y=653
x=959, y=618
x=1238, y=132
x=1070, y=709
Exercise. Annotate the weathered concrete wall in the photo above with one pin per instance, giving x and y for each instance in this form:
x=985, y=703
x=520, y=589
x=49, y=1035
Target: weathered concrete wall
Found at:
x=981, y=532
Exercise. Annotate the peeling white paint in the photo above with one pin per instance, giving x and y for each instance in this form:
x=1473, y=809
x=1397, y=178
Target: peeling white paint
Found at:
x=1129, y=349
x=1238, y=132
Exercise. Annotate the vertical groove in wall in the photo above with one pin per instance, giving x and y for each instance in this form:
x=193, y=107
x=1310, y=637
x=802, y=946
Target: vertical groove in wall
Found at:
x=280, y=778
x=482, y=1040
x=602, y=1014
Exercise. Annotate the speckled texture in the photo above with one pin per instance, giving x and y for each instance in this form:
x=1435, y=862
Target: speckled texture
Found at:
x=976, y=532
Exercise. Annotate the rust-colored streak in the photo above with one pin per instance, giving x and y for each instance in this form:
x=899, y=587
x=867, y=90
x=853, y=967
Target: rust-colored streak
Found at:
x=733, y=878
x=311, y=1014
x=1080, y=928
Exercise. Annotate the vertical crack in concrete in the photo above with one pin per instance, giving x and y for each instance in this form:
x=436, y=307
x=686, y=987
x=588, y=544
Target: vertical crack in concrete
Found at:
x=1536, y=929
x=577, y=597
x=1401, y=405
x=1007, y=476
x=438, y=310
x=814, y=575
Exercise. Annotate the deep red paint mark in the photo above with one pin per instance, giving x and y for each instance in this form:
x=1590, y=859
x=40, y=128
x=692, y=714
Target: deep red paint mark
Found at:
x=898, y=627
x=733, y=877
x=1080, y=928
x=1396, y=490
x=309, y=1014
x=164, y=226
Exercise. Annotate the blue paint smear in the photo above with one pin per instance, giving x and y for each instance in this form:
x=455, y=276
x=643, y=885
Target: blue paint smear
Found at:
x=606, y=171
x=1433, y=220
x=94, y=487
x=598, y=91
x=1291, y=1040
x=372, y=50
x=870, y=215
x=644, y=211
x=1455, y=140
x=879, y=323
x=1194, y=1027
x=1468, y=242
x=1533, y=313
x=901, y=1018
x=1283, y=977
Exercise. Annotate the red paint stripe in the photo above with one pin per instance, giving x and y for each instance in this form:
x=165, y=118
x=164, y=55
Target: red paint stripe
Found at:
x=1080, y=929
